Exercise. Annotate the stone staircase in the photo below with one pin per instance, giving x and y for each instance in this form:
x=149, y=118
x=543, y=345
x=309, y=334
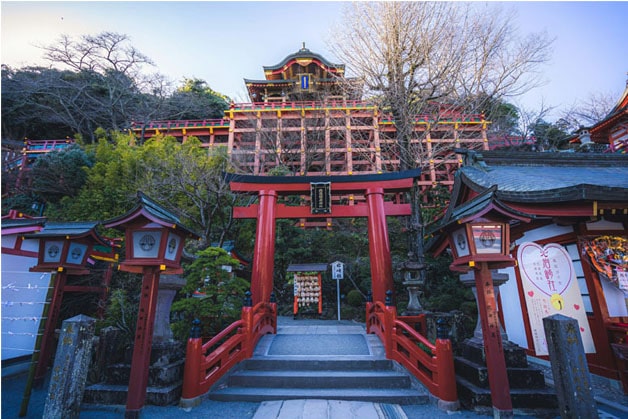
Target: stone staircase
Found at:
x=528, y=390
x=319, y=366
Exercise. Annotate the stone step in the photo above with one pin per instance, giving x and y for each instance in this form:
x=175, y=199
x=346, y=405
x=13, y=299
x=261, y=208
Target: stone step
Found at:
x=514, y=355
x=472, y=396
x=258, y=394
x=112, y=394
x=517, y=377
x=320, y=379
x=310, y=364
x=158, y=376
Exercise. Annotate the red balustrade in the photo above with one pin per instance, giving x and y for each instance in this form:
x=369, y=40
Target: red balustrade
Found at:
x=206, y=363
x=432, y=364
x=189, y=123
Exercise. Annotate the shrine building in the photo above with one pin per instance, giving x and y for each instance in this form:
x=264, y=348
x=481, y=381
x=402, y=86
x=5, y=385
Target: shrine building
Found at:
x=307, y=118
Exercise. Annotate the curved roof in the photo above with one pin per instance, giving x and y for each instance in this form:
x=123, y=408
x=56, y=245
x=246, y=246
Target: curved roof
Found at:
x=549, y=177
x=304, y=53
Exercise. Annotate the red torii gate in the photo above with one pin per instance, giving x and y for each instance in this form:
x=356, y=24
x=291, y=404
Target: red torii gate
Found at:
x=375, y=208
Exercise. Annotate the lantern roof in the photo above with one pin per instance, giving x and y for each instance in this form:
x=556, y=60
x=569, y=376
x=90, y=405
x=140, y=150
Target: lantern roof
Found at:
x=479, y=206
x=152, y=211
x=72, y=230
x=307, y=267
x=22, y=225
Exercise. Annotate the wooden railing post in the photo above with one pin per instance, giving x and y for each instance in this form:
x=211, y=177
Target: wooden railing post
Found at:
x=192, y=369
x=273, y=307
x=448, y=396
x=247, y=319
x=369, y=307
x=390, y=315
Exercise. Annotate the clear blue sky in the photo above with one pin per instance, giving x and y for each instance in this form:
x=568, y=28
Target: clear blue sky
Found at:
x=224, y=42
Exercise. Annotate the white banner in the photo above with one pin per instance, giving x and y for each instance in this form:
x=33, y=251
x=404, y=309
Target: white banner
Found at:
x=550, y=286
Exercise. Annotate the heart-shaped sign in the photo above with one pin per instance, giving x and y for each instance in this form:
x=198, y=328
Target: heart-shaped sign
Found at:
x=548, y=268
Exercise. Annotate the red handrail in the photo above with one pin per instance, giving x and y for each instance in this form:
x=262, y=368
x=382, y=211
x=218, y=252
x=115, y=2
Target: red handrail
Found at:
x=204, y=365
x=432, y=364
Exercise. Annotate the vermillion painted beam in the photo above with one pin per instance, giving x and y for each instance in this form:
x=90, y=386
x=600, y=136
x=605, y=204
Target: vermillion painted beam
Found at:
x=337, y=211
x=396, y=185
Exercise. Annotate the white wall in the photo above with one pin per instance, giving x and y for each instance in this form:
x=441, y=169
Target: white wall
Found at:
x=509, y=293
x=22, y=301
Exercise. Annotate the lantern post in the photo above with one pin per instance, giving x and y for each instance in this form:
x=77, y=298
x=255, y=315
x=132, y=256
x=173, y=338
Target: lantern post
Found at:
x=481, y=244
x=63, y=250
x=154, y=243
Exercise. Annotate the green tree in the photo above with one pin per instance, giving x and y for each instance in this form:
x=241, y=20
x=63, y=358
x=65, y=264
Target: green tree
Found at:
x=111, y=185
x=60, y=174
x=550, y=136
x=196, y=100
x=213, y=294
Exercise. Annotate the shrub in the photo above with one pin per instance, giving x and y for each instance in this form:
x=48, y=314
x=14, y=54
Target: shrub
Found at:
x=355, y=298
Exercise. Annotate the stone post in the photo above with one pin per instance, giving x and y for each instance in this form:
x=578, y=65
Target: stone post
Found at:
x=569, y=367
x=468, y=279
x=168, y=287
x=70, y=368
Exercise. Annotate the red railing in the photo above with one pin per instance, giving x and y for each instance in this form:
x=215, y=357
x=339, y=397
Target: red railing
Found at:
x=432, y=364
x=185, y=123
x=206, y=363
x=310, y=104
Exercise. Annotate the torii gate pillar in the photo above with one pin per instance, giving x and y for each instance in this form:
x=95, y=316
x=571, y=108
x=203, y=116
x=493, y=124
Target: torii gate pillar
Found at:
x=379, y=245
x=374, y=187
x=264, y=253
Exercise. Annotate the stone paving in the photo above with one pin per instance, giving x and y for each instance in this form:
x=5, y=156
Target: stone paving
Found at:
x=611, y=401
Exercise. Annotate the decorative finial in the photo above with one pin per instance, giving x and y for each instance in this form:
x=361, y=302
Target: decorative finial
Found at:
x=303, y=45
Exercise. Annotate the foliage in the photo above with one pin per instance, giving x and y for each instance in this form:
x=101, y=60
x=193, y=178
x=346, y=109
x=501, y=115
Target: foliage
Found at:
x=121, y=313
x=196, y=100
x=60, y=174
x=111, y=184
x=443, y=291
x=355, y=298
x=96, y=81
x=550, y=136
x=219, y=297
x=190, y=178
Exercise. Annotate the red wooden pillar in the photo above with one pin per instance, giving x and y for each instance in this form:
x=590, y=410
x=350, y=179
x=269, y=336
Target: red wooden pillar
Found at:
x=493, y=347
x=143, y=342
x=192, y=368
x=264, y=253
x=51, y=323
x=379, y=246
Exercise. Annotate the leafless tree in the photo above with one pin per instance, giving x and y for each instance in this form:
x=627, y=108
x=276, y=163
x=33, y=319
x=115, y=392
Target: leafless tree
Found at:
x=590, y=111
x=107, y=82
x=410, y=54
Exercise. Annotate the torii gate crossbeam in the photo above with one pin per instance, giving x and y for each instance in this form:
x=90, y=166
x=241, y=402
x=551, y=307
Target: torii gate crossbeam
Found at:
x=375, y=208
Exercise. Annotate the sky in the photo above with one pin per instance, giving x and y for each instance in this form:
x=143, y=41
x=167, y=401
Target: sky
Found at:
x=225, y=42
